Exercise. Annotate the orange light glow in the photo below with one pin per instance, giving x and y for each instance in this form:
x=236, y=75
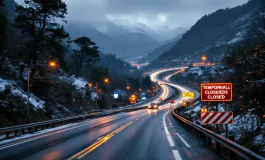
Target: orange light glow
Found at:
x=106, y=80
x=204, y=110
x=52, y=64
x=204, y=58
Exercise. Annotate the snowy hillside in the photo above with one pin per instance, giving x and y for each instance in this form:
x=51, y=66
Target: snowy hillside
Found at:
x=16, y=91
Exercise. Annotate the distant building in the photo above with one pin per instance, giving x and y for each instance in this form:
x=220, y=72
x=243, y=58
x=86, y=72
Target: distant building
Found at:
x=134, y=64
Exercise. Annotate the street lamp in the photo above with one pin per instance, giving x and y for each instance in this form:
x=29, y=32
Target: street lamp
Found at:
x=51, y=64
x=128, y=87
x=204, y=58
x=106, y=80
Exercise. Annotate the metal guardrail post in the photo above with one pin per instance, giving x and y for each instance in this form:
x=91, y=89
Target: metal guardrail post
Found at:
x=204, y=139
x=218, y=148
x=232, y=155
x=201, y=136
x=30, y=130
x=197, y=134
x=209, y=141
x=7, y=134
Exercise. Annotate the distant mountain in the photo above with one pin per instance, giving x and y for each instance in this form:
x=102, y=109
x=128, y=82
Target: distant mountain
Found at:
x=117, y=66
x=115, y=39
x=214, y=33
x=167, y=45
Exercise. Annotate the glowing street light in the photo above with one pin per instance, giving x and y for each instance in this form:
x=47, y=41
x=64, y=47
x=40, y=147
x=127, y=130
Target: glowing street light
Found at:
x=204, y=58
x=106, y=80
x=128, y=87
x=52, y=64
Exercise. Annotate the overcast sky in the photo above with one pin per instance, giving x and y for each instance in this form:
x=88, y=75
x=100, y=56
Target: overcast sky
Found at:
x=156, y=15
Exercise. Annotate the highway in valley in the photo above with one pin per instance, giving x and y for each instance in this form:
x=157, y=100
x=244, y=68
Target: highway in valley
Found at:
x=146, y=134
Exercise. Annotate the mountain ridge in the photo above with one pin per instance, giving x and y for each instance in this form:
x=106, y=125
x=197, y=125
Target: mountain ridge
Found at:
x=166, y=45
x=136, y=44
x=208, y=33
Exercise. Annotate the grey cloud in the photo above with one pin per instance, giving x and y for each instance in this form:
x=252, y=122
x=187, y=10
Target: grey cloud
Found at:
x=157, y=15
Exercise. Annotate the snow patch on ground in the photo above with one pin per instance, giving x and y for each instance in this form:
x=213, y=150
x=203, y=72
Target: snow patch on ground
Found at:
x=196, y=70
x=260, y=139
x=34, y=100
x=197, y=108
x=243, y=124
x=3, y=83
x=78, y=83
x=238, y=37
x=200, y=72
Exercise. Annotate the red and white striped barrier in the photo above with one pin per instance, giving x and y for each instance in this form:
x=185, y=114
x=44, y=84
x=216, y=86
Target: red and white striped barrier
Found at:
x=217, y=118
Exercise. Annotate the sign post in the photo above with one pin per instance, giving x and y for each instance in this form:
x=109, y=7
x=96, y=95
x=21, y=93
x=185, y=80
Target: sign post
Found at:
x=216, y=92
x=189, y=96
x=225, y=124
x=133, y=99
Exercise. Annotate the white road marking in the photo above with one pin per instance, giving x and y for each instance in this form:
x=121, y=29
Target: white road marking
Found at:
x=171, y=143
x=176, y=155
x=180, y=135
x=183, y=141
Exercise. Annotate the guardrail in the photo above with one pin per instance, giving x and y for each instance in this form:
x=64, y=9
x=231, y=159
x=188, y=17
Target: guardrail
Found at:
x=33, y=127
x=223, y=145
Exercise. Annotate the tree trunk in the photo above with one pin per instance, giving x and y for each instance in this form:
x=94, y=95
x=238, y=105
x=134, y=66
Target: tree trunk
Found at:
x=2, y=60
x=257, y=115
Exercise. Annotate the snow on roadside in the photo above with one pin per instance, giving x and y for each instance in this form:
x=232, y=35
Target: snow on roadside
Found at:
x=34, y=100
x=197, y=108
x=260, y=138
x=3, y=83
x=78, y=83
x=243, y=124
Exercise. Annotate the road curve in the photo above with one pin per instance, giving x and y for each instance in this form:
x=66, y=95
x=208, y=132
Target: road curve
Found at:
x=142, y=134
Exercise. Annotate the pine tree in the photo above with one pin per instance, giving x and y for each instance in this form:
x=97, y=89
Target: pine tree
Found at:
x=86, y=52
x=3, y=30
x=44, y=37
x=146, y=83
